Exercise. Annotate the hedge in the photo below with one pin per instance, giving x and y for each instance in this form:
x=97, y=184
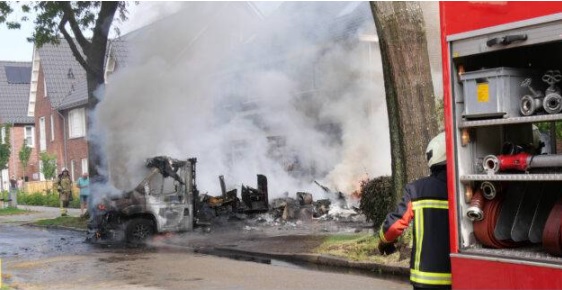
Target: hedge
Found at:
x=42, y=199
x=377, y=199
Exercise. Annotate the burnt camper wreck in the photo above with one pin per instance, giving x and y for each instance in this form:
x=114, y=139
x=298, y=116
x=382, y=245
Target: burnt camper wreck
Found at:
x=162, y=202
x=167, y=200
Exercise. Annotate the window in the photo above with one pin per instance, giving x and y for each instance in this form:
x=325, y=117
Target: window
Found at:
x=29, y=136
x=84, y=165
x=52, y=128
x=42, y=135
x=76, y=123
x=3, y=135
x=109, y=68
x=72, y=169
x=41, y=175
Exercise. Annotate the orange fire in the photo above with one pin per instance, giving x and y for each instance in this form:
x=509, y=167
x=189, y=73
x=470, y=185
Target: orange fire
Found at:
x=356, y=194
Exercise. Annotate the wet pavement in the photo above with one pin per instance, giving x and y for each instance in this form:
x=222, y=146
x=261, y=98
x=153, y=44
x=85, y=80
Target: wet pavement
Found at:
x=39, y=258
x=28, y=242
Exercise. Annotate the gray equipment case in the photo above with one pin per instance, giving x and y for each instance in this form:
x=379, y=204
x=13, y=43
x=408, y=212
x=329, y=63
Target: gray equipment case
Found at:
x=493, y=93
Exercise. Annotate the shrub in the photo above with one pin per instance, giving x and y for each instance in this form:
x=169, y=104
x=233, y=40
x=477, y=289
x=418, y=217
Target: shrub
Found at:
x=50, y=199
x=377, y=199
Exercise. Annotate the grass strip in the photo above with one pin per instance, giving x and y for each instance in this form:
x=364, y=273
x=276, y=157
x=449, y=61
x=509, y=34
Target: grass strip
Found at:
x=64, y=221
x=356, y=247
x=13, y=211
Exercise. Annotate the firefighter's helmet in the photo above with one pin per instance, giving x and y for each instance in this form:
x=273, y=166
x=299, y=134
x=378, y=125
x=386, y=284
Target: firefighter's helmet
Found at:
x=436, y=152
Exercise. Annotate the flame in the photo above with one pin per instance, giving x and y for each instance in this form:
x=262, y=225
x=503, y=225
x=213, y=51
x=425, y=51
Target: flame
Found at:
x=359, y=184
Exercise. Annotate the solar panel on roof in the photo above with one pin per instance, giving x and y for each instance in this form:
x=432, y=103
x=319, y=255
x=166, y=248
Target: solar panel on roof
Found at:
x=18, y=74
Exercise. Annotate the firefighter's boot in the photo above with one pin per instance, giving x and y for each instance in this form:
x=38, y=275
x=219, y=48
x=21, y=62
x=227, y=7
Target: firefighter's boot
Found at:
x=63, y=210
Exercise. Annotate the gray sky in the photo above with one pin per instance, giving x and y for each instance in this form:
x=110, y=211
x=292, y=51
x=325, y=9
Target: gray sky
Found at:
x=15, y=47
x=14, y=44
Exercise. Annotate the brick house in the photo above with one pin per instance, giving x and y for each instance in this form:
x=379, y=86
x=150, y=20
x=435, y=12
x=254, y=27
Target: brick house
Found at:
x=14, y=91
x=57, y=102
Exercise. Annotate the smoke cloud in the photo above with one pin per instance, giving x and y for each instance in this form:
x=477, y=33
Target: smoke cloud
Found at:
x=296, y=94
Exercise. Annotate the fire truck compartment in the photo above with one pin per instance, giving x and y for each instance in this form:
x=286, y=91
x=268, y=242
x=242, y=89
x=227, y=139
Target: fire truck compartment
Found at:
x=492, y=70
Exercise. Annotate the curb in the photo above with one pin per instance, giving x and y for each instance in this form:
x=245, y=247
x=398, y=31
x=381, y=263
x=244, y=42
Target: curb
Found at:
x=315, y=259
x=30, y=224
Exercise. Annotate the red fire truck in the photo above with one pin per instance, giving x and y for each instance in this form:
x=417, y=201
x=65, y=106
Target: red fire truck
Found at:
x=501, y=73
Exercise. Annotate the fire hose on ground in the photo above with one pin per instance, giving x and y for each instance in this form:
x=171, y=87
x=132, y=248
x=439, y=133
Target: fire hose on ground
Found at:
x=520, y=162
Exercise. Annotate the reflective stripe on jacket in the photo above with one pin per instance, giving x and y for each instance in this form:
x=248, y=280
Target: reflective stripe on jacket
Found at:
x=425, y=202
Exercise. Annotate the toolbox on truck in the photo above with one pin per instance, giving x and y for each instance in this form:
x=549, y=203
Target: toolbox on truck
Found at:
x=493, y=93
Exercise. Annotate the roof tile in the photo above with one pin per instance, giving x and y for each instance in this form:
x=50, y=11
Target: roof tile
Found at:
x=62, y=73
x=14, y=97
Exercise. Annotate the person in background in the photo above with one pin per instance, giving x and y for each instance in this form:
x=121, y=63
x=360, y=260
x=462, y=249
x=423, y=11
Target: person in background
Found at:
x=64, y=187
x=83, y=184
x=20, y=183
x=426, y=202
x=13, y=183
x=13, y=194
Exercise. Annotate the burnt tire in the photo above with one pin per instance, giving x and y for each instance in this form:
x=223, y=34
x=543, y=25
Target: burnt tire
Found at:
x=138, y=231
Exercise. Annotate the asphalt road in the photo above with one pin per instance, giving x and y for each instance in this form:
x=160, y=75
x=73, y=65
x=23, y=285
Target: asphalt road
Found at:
x=37, y=258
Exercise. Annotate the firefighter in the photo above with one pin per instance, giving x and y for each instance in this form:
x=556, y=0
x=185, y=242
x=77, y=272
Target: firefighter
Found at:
x=64, y=187
x=425, y=202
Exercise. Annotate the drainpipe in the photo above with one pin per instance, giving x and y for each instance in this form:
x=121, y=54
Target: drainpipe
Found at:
x=63, y=137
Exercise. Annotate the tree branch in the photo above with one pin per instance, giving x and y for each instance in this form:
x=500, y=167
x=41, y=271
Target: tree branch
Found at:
x=71, y=19
x=105, y=19
x=72, y=45
x=100, y=36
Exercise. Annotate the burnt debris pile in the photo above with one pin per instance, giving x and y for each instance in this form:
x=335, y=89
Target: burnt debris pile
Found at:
x=254, y=205
x=167, y=200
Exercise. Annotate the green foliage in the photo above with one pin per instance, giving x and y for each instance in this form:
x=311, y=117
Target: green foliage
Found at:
x=50, y=199
x=545, y=127
x=5, y=10
x=24, y=155
x=5, y=147
x=12, y=211
x=361, y=247
x=353, y=247
x=377, y=199
x=49, y=162
x=48, y=16
x=83, y=15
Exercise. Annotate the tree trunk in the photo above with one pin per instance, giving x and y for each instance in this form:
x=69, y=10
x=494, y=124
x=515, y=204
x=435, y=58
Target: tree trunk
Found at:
x=95, y=77
x=409, y=89
x=95, y=160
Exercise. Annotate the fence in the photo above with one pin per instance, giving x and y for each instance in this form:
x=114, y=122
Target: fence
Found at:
x=43, y=187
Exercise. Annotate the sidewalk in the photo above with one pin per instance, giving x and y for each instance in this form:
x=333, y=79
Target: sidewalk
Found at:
x=36, y=213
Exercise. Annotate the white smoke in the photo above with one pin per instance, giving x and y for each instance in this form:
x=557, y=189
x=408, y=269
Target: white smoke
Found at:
x=218, y=83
